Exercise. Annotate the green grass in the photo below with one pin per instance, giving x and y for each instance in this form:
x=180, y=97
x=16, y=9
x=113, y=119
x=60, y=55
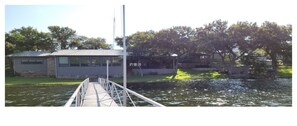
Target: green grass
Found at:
x=182, y=75
x=145, y=78
x=185, y=74
x=284, y=72
x=39, y=80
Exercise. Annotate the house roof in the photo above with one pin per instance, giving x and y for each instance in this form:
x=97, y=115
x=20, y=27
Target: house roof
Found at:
x=68, y=53
x=30, y=54
x=87, y=53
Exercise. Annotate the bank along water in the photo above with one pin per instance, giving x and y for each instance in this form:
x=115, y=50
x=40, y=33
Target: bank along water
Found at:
x=211, y=92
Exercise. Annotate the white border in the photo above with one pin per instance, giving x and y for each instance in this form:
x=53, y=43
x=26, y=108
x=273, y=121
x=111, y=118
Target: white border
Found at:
x=237, y=116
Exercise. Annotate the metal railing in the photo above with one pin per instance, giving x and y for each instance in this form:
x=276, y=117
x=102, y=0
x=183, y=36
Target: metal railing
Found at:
x=116, y=92
x=77, y=97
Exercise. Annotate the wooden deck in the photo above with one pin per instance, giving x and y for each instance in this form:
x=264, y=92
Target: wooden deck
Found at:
x=96, y=96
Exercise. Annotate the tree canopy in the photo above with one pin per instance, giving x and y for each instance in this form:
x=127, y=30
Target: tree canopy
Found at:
x=30, y=39
x=230, y=42
x=27, y=39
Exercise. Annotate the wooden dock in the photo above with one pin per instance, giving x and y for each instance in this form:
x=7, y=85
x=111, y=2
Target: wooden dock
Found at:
x=96, y=96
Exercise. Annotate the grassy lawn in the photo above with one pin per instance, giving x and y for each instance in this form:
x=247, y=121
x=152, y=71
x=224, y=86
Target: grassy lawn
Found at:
x=182, y=75
x=285, y=72
x=38, y=80
x=145, y=78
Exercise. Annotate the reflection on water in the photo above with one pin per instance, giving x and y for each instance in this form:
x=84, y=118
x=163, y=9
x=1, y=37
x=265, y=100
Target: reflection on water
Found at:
x=220, y=92
x=38, y=95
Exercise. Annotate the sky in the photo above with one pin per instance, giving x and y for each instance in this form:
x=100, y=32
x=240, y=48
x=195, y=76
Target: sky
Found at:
x=96, y=19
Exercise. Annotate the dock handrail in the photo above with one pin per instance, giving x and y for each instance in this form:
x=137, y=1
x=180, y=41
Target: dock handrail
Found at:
x=111, y=87
x=78, y=94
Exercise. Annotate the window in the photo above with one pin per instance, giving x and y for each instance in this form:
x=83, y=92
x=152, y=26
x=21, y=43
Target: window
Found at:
x=95, y=61
x=63, y=61
x=84, y=61
x=103, y=61
x=32, y=61
x=117, y=61
x=74, y=61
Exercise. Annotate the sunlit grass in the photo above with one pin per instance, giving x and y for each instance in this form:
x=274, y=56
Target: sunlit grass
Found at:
x=145, y=78
x=285, y=71
x=181, y=75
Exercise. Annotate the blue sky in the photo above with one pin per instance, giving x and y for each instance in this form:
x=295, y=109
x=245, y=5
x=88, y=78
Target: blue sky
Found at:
x=39, y=17
x=96, y=19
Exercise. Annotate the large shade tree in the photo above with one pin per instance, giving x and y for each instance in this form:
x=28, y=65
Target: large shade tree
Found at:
x=27, y=39
x=274, y=40
x=213, y=38
x=95, y=43
x=62, y=35
x=241, y=41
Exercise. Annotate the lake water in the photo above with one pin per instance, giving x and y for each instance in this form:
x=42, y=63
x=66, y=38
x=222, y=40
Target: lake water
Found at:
x=38, y=95
x=219, y=92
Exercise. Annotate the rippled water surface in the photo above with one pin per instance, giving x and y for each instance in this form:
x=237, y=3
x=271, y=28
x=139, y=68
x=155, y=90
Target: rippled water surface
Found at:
x=38, y=95
x=223, y=92
x=219, y=92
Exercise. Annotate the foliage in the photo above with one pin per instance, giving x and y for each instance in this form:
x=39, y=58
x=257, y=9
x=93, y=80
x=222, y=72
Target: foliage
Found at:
x=230, y=43
x=30, y=39
x=274, y=39
x=94, y=43
x=27, y=39
x=62, y=35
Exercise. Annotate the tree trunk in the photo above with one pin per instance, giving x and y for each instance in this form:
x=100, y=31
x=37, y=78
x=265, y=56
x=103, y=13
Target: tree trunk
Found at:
x=223, y=61
x=274, y=62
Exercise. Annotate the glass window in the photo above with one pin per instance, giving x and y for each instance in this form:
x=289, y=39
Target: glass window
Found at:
x=103, y=60
x=117, y=61
x=95, y=61
x=24, y=61
x=84, y=61
x=63, y=61
x=74, y=61
x=31, y=61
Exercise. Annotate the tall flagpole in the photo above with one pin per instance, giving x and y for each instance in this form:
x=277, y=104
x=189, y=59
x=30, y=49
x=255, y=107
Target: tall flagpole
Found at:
x=124, y=61
x=113, y=36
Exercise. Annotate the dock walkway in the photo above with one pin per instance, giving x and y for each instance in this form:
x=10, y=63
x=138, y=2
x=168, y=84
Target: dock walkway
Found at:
x=96, y=96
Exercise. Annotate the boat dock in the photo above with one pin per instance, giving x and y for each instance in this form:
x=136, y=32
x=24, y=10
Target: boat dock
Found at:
x=105, y=93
